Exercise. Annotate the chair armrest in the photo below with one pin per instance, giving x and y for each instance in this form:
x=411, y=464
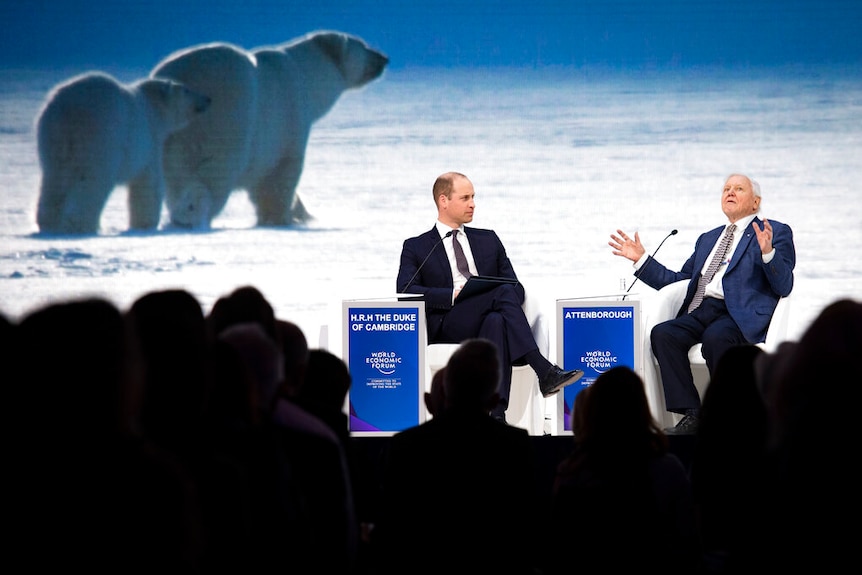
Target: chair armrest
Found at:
x=664, y=304
x=777, y=332
x=538, y=323
x=661, y=306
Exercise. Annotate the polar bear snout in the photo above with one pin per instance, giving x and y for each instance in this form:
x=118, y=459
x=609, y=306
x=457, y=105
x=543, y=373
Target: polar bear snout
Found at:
x=360, y=63
x=377, y=62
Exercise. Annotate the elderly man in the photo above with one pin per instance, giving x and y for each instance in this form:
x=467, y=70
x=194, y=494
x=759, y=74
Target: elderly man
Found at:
x=737, y=274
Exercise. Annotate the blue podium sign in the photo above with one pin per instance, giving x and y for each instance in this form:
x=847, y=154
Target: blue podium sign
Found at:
x=384, y=347
x=595, y=335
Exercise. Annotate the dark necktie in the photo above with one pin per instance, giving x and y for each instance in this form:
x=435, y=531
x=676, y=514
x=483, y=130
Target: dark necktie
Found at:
x=460, y=258
x=713, y=267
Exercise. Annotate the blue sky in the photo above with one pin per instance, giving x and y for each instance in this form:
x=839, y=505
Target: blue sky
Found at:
x=476, y=33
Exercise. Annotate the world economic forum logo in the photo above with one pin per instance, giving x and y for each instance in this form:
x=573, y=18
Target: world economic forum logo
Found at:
x=385, y=362
x=599, y=360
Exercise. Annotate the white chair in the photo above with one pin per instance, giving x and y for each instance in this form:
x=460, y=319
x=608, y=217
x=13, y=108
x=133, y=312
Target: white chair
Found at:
x=526, y=403
x=663, y=306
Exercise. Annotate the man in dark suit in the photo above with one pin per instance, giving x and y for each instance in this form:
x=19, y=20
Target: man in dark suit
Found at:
x=737, y=302
x=460, y=490
x=497, y=315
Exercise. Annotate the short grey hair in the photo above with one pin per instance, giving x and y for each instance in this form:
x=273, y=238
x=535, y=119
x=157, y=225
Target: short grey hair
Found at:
x=755, y=187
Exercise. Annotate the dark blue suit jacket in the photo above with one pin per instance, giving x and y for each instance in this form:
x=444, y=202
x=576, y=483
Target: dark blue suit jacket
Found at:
x=434, y=279
x=751, y=288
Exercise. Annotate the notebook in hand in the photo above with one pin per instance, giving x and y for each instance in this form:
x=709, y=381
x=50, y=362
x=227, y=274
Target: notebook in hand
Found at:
x=480, y=284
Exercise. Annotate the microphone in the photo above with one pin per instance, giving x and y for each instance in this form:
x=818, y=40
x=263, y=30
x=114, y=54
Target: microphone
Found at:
x=672, y=233
x=440, y=241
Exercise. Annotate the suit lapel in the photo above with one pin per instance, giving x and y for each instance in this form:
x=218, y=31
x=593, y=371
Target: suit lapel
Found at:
x=744, y=242
x=441, y=260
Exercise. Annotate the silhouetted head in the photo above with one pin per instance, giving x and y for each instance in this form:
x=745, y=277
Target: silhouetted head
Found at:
x=435, y=399
x=327, y=380
x=176, y=363
x=578, y=408
x=733, y=409
x=73, y=356
x=473, y=376
x=811, y=385
x=617, y=417
x=294, y=349
x=244, y=304
x=263, y=360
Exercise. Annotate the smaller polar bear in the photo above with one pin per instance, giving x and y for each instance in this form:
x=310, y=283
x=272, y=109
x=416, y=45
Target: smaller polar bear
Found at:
x=254, y=135
x=95, y=133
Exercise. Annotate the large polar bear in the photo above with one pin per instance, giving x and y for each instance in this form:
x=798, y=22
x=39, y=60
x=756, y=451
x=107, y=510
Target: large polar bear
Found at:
x=254, y=135
x=95, y=133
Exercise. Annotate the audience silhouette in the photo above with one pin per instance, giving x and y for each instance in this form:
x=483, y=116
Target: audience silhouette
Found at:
x=577, y=416
x=177, y=368
x=727, y=467
x=302, y=507
x=621, y=502
x=242, y=305
x=813, y=391
x=325, y=395
x=166, y=439
x=459, y=489
x=435, y=398
x=90, y=493
x=295, y=352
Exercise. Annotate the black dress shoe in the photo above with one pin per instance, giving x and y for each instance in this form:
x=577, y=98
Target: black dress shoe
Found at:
x=686, y=426
x=557, y=379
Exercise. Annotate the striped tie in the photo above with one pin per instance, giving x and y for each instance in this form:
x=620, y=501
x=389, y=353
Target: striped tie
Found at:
x=713, y=267
x=460, y=258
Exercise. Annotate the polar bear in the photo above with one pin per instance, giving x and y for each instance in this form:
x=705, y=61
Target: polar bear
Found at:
x=95, y=133
x=254, y=135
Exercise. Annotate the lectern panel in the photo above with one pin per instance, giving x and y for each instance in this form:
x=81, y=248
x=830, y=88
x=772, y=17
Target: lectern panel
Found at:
x=384, y=347
x=595, y=335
